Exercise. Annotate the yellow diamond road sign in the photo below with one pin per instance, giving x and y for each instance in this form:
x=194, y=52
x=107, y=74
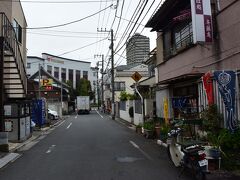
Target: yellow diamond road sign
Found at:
x=136, y=76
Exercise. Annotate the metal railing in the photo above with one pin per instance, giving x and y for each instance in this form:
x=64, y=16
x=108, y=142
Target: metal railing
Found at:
x=11, y=44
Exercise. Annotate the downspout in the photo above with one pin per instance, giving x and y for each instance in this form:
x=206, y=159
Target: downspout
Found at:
x=142, y=103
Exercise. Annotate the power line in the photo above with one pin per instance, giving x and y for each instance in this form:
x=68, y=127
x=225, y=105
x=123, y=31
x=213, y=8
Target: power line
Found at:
x=60, y=25
x=59, y=35
x=58, y=2
x=82, y=47
x=59, y=31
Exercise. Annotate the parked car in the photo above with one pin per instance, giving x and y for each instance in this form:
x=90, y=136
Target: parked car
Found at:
x=52, y=114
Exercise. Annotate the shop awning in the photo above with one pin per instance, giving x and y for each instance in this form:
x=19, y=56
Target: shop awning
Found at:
x=181, y=78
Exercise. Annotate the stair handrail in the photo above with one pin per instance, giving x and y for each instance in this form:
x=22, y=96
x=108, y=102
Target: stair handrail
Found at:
x=10, y=34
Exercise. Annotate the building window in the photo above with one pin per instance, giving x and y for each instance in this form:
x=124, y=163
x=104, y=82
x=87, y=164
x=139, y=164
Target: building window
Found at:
x=49, y=69
x=119, y=86
x=18, y=31
x=28, y=65
x=63, y=74
x=183, y=36
x=56, y=72
x=78, y=76
x=70, y=75
x=85, y=74
x=177, y=38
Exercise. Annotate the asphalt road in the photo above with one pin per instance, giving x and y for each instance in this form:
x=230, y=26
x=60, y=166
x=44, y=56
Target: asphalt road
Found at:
x=92, y=147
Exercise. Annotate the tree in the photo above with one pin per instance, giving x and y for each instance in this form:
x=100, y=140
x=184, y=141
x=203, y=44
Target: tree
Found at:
x=84, y=88
x=72, y=92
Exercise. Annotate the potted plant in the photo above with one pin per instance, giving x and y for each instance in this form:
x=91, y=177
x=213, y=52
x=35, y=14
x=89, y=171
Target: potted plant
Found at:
x=215, y=140
x=148, y=129
x=139, y=129
x=165, y=128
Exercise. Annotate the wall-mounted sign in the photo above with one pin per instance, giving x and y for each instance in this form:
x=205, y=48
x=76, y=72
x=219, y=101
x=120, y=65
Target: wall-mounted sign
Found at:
x=202, y=21
x=51, y=59
x=46, y=82
x=8, y=125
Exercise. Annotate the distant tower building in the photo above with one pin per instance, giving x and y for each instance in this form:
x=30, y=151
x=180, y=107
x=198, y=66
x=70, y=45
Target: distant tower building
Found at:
x=137, y=49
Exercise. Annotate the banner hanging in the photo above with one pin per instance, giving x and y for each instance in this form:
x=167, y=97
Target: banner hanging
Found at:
x=226, y=81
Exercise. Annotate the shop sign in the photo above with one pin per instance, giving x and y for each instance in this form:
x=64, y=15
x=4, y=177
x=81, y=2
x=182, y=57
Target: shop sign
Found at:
x=202, y=21
x=165, y=109
x=208, y=86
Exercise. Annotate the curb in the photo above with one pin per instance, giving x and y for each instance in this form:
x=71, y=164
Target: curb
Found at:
x=161, y=143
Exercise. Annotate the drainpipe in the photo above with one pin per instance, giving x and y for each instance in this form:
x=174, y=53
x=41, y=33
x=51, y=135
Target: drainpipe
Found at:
x=142, y=103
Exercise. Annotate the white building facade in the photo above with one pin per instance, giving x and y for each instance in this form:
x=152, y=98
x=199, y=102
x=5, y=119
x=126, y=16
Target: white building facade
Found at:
x=61, y=68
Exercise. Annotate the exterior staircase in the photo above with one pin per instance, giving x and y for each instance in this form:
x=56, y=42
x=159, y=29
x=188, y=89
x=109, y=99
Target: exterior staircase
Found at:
x=14, y=73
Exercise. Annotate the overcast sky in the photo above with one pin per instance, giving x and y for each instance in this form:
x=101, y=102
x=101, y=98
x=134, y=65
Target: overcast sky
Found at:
x=78, y=40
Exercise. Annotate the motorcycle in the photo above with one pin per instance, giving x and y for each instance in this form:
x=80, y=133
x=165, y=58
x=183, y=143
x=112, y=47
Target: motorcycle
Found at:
x=189, y=157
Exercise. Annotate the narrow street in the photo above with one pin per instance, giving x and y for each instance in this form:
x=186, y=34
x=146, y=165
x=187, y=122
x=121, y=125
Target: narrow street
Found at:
x=91, y=147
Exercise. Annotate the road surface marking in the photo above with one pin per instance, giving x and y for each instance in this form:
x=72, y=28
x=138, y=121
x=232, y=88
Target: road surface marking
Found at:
x=99, y=114
x=76, y=116
x=60, y=124
x=50, y=149
x=69, y=126
x=144, y=153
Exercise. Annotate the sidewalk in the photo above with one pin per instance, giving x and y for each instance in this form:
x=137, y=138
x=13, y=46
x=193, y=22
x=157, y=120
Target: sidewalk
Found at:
x=7, y=157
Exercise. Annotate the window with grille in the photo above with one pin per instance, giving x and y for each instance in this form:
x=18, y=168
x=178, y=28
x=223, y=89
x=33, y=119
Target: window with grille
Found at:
x=119, y=86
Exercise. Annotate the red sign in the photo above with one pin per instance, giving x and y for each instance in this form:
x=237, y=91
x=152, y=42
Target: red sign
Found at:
x=199, y=6
x=48, y=88
x=208, y=86
x=183, y=15
x=208, y=28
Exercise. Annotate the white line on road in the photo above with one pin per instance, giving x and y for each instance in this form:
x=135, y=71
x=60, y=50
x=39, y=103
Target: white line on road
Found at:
x=144, y=153
x=99, y=114
x=69, y=126
x=50, y=149
x=76, y=116
x=60, y=124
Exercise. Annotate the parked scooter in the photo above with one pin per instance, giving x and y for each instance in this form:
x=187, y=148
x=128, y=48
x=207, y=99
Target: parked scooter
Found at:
x=189, y=157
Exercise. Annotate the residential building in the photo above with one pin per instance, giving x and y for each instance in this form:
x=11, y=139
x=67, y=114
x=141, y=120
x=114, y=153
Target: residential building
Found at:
x=13, y=83
x=193, y=38
x=122, y=81
x=137, y=49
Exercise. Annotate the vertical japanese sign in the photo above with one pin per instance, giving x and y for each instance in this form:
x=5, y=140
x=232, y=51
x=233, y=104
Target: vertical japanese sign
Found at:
x=226, y=81
x=208, y=86
x=165, y=109
x=202, y=21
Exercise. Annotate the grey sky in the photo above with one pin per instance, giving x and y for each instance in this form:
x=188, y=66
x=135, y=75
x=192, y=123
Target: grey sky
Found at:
x=63, y=39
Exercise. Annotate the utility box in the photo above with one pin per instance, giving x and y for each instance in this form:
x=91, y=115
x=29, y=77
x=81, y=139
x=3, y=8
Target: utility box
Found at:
x=17, y=120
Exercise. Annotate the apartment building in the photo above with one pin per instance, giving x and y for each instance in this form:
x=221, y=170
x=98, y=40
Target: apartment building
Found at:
x=137, y=49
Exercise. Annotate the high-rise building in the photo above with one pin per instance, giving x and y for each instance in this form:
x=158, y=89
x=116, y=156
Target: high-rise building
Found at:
x=137, y=49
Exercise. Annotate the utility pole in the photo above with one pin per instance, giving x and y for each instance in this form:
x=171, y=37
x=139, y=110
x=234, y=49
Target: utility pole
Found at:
x=112, y=72
x=102, y=93
x=102, y=82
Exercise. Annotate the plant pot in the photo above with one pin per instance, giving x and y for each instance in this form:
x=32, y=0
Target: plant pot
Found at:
x=148, y=133
x=157, y=130
x=139, y=130
x=215, y=153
